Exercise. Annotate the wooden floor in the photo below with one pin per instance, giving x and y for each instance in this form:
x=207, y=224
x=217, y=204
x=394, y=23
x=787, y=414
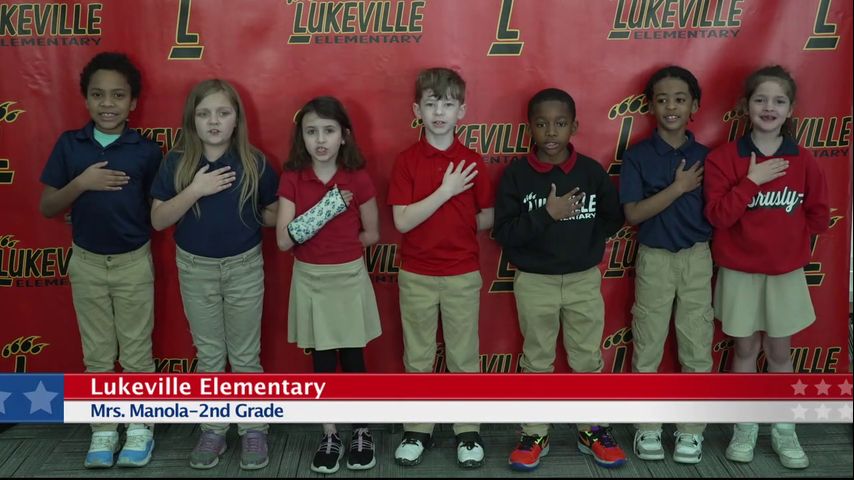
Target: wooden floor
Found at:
x=58, y=451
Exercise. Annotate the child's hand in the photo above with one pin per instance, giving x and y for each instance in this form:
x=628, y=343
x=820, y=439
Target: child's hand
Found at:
x=207, y=183
x=566, y=206
x=96, y=177
x=688, y=179
x=761, y=173
x=347, y=195
x=457, y=180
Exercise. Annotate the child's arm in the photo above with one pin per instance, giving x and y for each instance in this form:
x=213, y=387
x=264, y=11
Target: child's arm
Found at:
x=514, y=225
x=369, y=214
x=485, y=219
x=456, y=180
x=608, y=211
x=816, y=206
x=96, y=178
x=686, y=180
x=727, y=197
x=270, y=214
x=166, y=213
x=286, y=212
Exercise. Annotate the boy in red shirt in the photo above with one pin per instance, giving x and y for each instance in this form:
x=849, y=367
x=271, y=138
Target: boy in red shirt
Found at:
x=441, y=198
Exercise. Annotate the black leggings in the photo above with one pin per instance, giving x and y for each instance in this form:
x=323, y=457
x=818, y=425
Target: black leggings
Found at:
x=352, y=361
x=326, y=361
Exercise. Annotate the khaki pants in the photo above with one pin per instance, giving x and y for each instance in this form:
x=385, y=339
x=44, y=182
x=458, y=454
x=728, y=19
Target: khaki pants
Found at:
x=223, y=301
x=422, y=297
x=113, y=298
x=546, y=303
x=661, y=277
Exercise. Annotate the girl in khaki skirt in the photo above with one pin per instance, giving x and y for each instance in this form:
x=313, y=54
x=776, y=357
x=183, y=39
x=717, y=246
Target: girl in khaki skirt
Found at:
x=327, y=215
x=765, y=197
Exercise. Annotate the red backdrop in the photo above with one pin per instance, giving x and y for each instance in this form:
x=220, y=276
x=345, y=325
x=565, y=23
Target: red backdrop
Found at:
x=281, y=53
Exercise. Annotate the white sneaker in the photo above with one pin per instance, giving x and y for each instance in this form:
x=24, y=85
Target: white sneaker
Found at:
x=784, y=442
x=102, y=450
x=469, y=450
x=743, y=442
x=138, y=447
x=647, y=445
x=411, y=448
x=689, y=448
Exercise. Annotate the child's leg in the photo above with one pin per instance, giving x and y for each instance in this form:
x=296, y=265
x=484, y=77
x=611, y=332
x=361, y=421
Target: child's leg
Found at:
x=132, y=288
x=655, y=287
x=582, y=314
x=694, y=313
x=459, y=301
x=352, y=360
x=778, y=354
x=94, y=310
x=201, y=294
x=746, y=349
x=419, y=312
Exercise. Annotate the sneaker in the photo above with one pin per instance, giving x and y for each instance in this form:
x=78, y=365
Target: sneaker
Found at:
x=138, y=447
x=689, y=448
x=647, y=445
x=102, y=450
x=529, y=450
x=411, y=448
x=743, y=442
x=207, y=450
x=361, y=454
x=253, y=450
x=328, y=454
x=784, y=442
x=599, y=443
x=469, y=450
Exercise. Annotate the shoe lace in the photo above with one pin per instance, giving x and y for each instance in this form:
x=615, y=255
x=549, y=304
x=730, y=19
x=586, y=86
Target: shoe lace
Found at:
x=742, y=436
x=208, y=442
x=651, y=435
x=789, y=442
x=101, y=442
x=527, y=442
x=411, y=441
x=253, y=443
x=136, y=441
x=603, y=435
x=330, y=444
x=362, y=440
x=687, y=438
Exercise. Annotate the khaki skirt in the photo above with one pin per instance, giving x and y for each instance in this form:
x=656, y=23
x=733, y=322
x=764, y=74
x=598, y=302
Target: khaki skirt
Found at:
x=332, y=306
x=778, y=305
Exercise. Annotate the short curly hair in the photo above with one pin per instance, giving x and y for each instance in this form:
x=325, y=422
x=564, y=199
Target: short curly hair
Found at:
x=118, y=62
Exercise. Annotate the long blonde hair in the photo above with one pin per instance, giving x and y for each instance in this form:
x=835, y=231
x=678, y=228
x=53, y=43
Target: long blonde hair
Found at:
x=189, y=145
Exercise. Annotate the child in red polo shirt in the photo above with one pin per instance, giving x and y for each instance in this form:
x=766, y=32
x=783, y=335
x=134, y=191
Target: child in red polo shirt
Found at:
x=440, y=199
x=327, y=215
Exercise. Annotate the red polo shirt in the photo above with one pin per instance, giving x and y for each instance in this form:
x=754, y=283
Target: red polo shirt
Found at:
x=445, y=243
x=338, y=241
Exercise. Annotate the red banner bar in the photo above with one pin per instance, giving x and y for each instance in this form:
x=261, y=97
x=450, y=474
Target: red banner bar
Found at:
x=623, y=386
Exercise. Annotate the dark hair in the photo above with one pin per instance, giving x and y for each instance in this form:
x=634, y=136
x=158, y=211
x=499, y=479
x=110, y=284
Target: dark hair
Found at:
x=674, y=71
x=329, y=108
x=118, y=62
x=548, y=95
x=773, y=73
x=442, y=81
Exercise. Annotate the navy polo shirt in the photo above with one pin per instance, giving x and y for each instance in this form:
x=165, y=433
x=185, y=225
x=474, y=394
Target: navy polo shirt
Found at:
x=648, y=168
x=106, y=222
x=222, y=229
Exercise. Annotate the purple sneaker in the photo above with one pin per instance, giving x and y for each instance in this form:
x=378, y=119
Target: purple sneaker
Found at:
x=207, y=451
x=253, y=453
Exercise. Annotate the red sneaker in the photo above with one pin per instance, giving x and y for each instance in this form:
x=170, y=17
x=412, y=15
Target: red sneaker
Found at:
x=599, y=443
x=527, y=455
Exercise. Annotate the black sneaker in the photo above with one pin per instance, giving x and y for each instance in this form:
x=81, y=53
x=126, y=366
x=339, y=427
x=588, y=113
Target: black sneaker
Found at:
x=328, y=454
x=361, y=454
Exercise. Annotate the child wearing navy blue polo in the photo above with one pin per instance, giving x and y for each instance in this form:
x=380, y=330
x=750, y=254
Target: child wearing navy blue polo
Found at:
x=103, y=173
x=661, y=191
x=220, y=190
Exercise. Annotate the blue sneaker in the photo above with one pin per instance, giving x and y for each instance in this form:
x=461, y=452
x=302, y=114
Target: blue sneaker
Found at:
x=137, y=449
x=102, y=450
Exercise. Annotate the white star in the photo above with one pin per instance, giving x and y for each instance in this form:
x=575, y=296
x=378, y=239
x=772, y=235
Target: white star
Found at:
x=40, y=399
x=800, y=388
x=823, y=388
x=800, y=412
x=845, y=388
x=822, y=412
x=845, y=411
x=3, y=397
